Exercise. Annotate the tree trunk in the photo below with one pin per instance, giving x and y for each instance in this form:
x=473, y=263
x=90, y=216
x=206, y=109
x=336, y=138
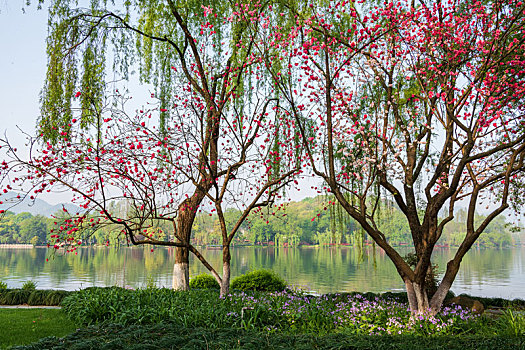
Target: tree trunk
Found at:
x=225, y=285
x=411, y=294
x=446, y=283
x=181, y=269
x=187, y=212
x=422, y=298
x=417, y=297
x=226, y=271
x=439, y=297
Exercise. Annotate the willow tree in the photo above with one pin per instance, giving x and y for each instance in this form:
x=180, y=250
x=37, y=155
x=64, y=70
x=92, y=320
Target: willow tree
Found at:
x=420, y=105
x=202, y=50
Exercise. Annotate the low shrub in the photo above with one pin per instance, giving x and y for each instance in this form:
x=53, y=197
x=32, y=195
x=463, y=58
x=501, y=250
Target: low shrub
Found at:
x=3, y=285
x=16, y=297
x=397, y=296
x=55, y=297
x=204, y=281
x=146, y=306
x=38, y=297
x=151, y=283
x=32, y=297
x=29, y=285
x=259, y=280
x=3, y=294
x=47, y=297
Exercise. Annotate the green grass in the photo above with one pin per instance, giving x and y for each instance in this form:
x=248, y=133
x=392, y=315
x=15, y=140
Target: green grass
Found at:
x=24, y=326
x=167, y=336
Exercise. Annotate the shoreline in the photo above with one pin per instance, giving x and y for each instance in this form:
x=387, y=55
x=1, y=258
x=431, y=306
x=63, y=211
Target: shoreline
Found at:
x=214, y=246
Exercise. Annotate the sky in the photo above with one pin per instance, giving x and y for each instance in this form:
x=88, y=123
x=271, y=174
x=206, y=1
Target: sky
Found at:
x=22, y=67
x=22, y=72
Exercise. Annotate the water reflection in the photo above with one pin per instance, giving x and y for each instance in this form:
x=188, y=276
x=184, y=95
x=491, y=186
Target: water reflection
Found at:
x=485, y=272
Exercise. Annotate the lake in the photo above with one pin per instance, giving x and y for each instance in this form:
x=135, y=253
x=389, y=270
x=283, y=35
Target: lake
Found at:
x=484, y=272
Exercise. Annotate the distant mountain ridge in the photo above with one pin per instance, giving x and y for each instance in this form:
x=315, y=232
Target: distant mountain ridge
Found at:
x=35, y=207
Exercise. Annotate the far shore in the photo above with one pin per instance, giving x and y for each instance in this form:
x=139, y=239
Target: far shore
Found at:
x=214, y=246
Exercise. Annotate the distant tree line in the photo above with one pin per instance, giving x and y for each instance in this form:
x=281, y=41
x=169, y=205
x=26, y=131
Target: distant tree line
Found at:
x=315, y=221
x=24, y=228
x=311, y=221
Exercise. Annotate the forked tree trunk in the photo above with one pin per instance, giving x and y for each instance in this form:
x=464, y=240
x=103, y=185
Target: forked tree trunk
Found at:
x=181, y=269
x=418, y=297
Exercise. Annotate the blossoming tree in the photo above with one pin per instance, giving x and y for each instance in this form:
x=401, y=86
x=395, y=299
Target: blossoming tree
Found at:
x=414, y=103
x=212, y=137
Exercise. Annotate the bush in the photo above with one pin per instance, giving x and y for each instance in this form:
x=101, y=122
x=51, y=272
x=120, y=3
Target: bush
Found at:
x=55, y=297
x=32, y=297
x=204, y=281
x=37, y=297
x=147, y=306
x=151, y=283
x=3, y=294
x=3, y=285
x=397, y=296
x=47, y=297
x=16, y=297
x=259, y=280
x=29, y=285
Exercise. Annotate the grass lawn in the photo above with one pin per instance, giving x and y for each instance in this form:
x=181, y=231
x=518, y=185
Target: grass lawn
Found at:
x=24, y=326
x=140, y=337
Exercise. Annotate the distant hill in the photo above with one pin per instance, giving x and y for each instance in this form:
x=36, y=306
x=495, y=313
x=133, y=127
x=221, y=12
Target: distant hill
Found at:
x=36, y=207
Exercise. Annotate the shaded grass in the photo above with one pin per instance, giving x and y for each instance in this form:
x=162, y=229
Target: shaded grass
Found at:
x=174, y=337
x=24, y=326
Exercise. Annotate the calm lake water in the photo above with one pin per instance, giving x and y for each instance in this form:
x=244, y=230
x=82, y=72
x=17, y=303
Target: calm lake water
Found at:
x=484, y=272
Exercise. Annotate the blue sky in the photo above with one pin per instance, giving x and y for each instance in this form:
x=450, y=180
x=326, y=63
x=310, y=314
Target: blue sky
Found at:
x=22, y=66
